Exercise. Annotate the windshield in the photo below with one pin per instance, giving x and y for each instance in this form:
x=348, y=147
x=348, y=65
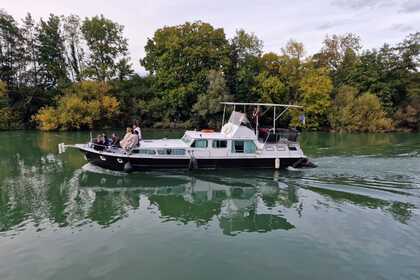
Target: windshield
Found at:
x=186, y=139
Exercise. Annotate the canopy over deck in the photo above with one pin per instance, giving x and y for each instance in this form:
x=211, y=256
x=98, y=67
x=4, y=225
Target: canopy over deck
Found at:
x=260, y=104
x=276, y=115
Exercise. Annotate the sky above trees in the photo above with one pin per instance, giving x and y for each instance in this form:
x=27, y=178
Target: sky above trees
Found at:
x=274, y=21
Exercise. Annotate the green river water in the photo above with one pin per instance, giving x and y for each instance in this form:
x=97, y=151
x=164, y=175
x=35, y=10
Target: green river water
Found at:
x=356, y=216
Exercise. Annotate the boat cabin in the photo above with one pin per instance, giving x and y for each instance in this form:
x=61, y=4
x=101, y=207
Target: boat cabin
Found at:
x=237, y=138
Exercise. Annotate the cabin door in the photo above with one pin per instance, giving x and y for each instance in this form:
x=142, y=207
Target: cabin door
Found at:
x=219, y=149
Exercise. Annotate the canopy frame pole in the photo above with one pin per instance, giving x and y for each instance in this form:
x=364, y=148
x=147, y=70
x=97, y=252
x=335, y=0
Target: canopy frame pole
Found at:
x=262, y=104
x=257, y=121
x=284, y=111
x=268, y=109
x=274, y=119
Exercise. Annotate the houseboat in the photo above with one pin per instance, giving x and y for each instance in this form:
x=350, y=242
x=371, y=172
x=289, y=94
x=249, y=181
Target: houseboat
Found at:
x=238, y=144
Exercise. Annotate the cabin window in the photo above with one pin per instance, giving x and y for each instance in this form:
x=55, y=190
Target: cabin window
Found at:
x=243, y=146
x=292, y=148
x=281, y=148
x=219, y=144
x=199, y=143
x=173, y=152
x=269, y=148
x=178, y=152
x=146, y=152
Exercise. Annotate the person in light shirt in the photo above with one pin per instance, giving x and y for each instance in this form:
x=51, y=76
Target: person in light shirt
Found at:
x=126, y=141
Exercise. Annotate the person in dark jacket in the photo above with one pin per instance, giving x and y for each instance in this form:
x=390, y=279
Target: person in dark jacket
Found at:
x=115, y=140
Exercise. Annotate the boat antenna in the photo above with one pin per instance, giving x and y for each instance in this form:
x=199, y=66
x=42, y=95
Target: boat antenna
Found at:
x=91, y=138
x=224, y=111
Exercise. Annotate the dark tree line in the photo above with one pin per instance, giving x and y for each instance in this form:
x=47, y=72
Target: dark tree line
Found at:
x=71, y=73
x=40, y=60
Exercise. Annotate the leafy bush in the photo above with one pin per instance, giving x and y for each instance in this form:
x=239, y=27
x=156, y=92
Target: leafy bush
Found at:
x=358, y=113
x=408, y=116
x=84, y=105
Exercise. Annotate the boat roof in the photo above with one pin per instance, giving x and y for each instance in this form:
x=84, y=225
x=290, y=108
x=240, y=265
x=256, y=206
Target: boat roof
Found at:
x=163, y=143
x=205, y=135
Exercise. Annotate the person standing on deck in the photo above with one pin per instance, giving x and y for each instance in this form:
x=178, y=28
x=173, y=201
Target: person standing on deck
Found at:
x=135, y=140
x=136, y=127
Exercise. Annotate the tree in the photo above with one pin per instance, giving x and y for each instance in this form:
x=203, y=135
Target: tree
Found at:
x=335, y=47
x=408, y=115
x=86, y=104
x=409, y=51
x=368, y=114
x=291, y=68
x=245, y=52
x=271, y=63
x=270, y=89
x=208, y=106
x=52, y=63
x=73, y=39
x=382, y=73
x=315, y=96
x=180, y=58
x=345, y=70
x=13, y=59
x=294, y=49
x=2, y=89
x=31, y=46
x=11, y=52
x=124, y=69
x=135, y=96
x=107, y=47
x=9, y=119
x=341, y=115
x=246, y=45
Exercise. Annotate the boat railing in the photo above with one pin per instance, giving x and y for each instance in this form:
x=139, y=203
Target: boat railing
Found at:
x=108, y=148
x=278, y=135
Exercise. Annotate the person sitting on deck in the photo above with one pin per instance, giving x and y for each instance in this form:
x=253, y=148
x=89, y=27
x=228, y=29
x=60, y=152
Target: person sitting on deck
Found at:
x=99, y=143
x=125, y=142
x=107, y=141
x=115, y=140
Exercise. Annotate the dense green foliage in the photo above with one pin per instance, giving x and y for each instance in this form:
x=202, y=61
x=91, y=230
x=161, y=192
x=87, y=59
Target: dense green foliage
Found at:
x=48, y=69
x=180, y=58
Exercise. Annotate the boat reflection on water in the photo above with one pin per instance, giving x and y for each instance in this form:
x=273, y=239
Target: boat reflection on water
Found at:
x=182, y=197
x=43, y=193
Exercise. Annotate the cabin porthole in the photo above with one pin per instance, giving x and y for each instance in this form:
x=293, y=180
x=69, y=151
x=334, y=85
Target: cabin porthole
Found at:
x=119, y=160
x=102, y=158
